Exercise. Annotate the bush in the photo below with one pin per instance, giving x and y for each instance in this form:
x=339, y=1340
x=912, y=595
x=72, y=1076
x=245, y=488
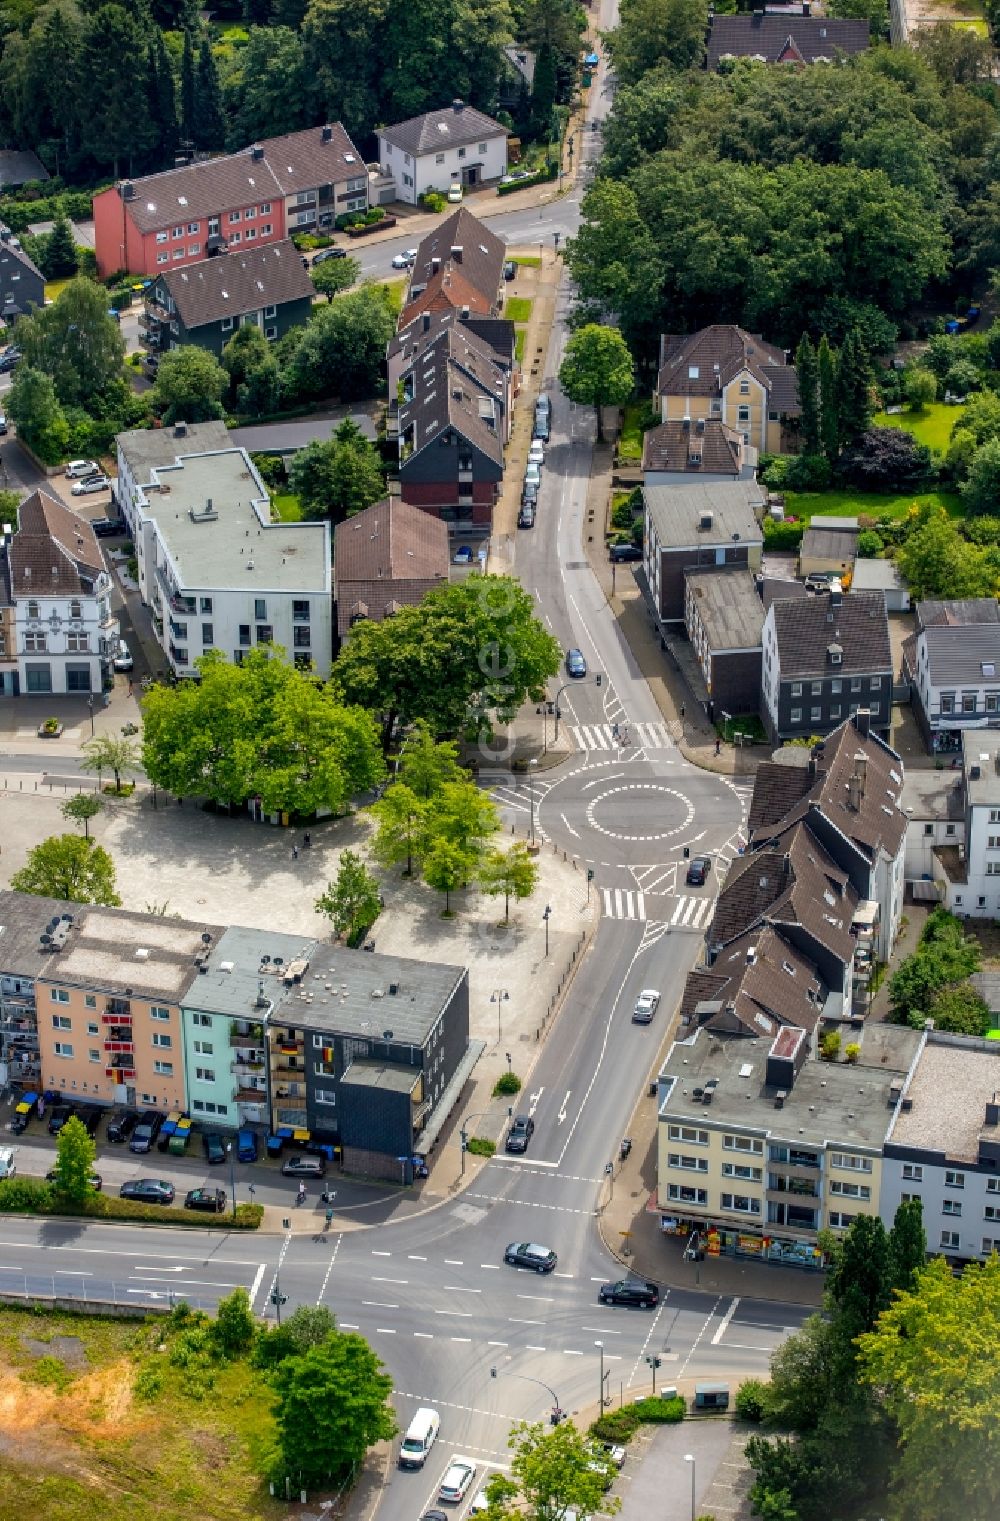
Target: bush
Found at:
x=870, y=546
x=887, y=459
x=541, y=178
x=796, y=472
x=481, y=1147
x=782, y=535
x=616, y=1425
x=660, y=1411
x=33, y=1196
x=433, y=200
x=751, y=1400
x=507, y=1082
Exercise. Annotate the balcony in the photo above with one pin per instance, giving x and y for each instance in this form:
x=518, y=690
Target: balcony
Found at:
x=186, y=606
x=120, y=1074
x=281, y=1071
x=117, y=1011
x=245, y=1065
x=250, y=1096
x=253, y=1035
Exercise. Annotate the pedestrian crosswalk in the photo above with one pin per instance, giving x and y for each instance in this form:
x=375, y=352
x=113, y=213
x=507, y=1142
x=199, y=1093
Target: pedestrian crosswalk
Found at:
x=692, y=913
x=686, y=913
x=620, y=903
x=631, y=736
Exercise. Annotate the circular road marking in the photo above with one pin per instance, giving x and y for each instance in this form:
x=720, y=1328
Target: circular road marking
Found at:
x=667, y=834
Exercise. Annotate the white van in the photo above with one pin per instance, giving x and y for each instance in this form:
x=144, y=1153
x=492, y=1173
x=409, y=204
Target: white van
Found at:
x=420, y=1437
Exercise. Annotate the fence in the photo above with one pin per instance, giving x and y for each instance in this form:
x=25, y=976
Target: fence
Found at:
x=105, y=1298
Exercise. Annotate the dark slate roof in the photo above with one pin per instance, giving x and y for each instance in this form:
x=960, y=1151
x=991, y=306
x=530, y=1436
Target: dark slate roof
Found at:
x=387, y=556
x=773, y=587
x=234, y=283
x=784, y=39
x=820, y=543
x=452, y=127
x=53, y=550
x=805, y=628
x=760, y=982
x=456, y=386
x=952, y=614
x=963, y=655
x=469, y=270
x=19, y=166
x=777, y=789
x=706, y=447
x=295, y=162
x=718, y=354
x=493, y=335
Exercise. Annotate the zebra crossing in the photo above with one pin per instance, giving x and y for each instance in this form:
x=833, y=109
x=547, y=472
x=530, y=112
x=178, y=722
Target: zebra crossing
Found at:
x=620, y=903
x=653, y=736
x=688, y=912
x=692, y=913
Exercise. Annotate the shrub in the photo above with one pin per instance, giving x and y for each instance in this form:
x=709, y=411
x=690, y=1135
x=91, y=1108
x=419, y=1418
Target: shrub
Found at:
x=751, y=1400
x=782, y=535
x=829, y=1046
x=507, y=1082
x=433, y=200
x=481, y=1147
x=541, y=178
x=24, y=1194
x=33, y=1196
x=616, y=1425
x=660, y=1411
x=870, y=546
x=887, y=459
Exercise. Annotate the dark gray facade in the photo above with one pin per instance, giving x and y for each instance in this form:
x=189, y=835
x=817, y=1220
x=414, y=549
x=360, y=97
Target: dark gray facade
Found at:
x=676, y=564
x=274, y=322
x=736, y=682
x=22, y=286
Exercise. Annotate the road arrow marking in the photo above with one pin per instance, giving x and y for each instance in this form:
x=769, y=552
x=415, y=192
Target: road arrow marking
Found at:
x=561, y=1116
x=533, y=1105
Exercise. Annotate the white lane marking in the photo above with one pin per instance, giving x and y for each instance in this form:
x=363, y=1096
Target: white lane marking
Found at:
x=453, y=1262
x=424, y=1335
x=562, y=1275
x=562, y=1112
x=201, y=1283
x=380, y=1254
x=530, y=1348
x=568, y=1353
x=724, y=1326
x=490, y=1267
x=462, y=1314
x=377, y=1279
x=602, y=1330
x=255, y=1286
x=694, y=1346
x=498, y=1343
x=329, y=1270
x=379, y=1304
x=460, y=1338
x=543, y=1298
x=533, y=1102
x=386, y=1330
x=456, y=1288
x=517, y=1321
x=345, y=1326
x=569, y=826
x=412, y=1257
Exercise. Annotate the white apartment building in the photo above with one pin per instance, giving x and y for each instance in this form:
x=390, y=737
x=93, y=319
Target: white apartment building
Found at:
x=953, y=833
x=455, y=146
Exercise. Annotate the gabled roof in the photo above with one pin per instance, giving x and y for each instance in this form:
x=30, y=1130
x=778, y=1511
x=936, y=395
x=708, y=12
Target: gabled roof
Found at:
x=784, y=39
x=53, y=550
x=706, y=447
x=453, y=126
x=957, y=613
x=20, y=166
x=703, y=363
x=493, y=335
x=759, y=983
x=455, y=386
x=389, y=543
x=460, y=263
x=807, y=628
x=234, y=283
x=960, y=655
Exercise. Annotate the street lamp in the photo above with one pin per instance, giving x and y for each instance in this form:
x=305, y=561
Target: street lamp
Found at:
x=499, y=997
x=531, y=793
x=464, y=1133
x=557, y=1413
x=604, y=1376
x=90, y=705
x=545, y=921
x=232, y=1174
x=555, y=738
x=689, y=1458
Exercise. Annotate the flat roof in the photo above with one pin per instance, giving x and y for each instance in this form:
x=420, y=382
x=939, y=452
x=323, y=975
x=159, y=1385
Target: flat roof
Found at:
x=241, y=966
x=24, y=918
x=981, y=751
x=387, y=1075
x=730, y=610
x=145, y=448
x=347, y=992
x=953, y=1080
x=876, y=575
x=678, y=512
x=146, y=954
x=827, y=1102
x=927, y=795
x=212, y=513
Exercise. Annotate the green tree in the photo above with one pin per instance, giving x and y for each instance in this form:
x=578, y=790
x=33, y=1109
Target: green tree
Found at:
x=81, y=808
x=870, y=544
x=553, y=1476
x=960, y=1010
x=859, y=1286
x=64, y=866
x=342, y=348
x=332, y=1406
x=208, y=126
x=463, y=814
x=163, y=99
x=254, y=383
x=189, y=88
x=447, y=867
x=931, y=1362
x=807, y=371
x=919, y=387
x=75, y=342
x=234, y=1329
x=426, y=764
x=335, y=275
x=401, y=834
x=337, y=477
x=116, y=122
x=60, y=250
x=875, y=12
x=543, y=92
x=266, y=89
x=981, y=491
x=342, y=43
x=190, y=385
x=109, y=752
x=307, y=1326
x=907, y=1245
x=652, y=32
x=829, y=400
x=33, y=404
x=75, y=1157
x=597, y=369
x=511, y=872
x=854, y=389
x=936, y=561
x=352, y=901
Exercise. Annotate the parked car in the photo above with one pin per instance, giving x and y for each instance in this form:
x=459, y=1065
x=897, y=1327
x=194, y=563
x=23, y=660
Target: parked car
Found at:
x=246, y=1146
x=90, y=1116
x=8, y=1166
x=304, y=1167
x=645, y=1006
x=145, y=1133
x=532, y=474
x=214, y=1148
x=529, y=492
x=123, y=658
x=630, y=1291
x=10, y=358
x=818, y=581
x=543, y=403
x=79, y=469
x=510, y=270
x=529, y=1254
x=541, y=429
x=96, y=1181
x=121, y=1124
x=463, y=555
x=698, y=870
x=109, y=528
x=211, y=1199
x=406, y=259
x=329, y=253
x=625, y=554
x=575, y=663
x=520, y=1134
x=148, y=1191
x=60, y=1114
x=536, y=452
x=91, y=484
x=3, y=422
x=461, y=1471
x=455, y=194
x=526, y=516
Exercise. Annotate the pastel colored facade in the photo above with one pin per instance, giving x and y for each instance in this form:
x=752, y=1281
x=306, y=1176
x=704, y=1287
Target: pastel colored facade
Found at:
x=735, y=377
x=454, y=146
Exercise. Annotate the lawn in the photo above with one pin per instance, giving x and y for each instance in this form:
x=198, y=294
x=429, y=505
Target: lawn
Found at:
x=397, y=290
x=528, y=261
x=287, y=507
x=637, y=417
x=932, y=425
x=818, y=504
x=520, y=336
x=100, y=1418
x=55, y=288
x=518, y=309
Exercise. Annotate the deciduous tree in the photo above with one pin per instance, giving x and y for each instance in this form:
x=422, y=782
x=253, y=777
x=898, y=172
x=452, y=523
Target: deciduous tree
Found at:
x=75, y=1157
x=75, y=342
x=597, y=369
x=65, y=866
x=337, y=477
x=351, y=901
x=425, y=764
x=652, y=32
x=33, y=404
x=401, y=818
x=333, y=1404
x=553, y=1476
x=108, y=752
x=513, y=872
x=335, y=275
x=190, y=384
x=81, y=808
x=447, y=867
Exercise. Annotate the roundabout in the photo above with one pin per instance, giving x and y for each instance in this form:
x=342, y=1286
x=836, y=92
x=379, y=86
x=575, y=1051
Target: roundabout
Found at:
x=619, y=803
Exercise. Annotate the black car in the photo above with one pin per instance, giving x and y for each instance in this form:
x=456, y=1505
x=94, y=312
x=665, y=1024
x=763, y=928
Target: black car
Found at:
x=96, y=1181
x=109, y=528
x=214, y=1147
x=528, y=1254
x=145, y=1133
x=121, y=1124
x=90, y=1116
x=10, y=358
x=697, y=872
x=329, y=253
x=630, y=1291
x=148, y=1191
x=526, y=516
x=60, y=1114
x=520, y=1133
x=625, y=554
x=211, y=1199
x=509, y=270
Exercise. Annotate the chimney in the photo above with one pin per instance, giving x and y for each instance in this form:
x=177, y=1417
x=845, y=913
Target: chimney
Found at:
x=464, y=314
x=836, y=595
x=993, y=1110
x=425, y=322
x=699, y=426
x=854, y=792
x=686, y=425
x=456, y=252
x=180, y=429
x=326, y=135
x=861, y=769
x=458, y=106
x=863, y=722
x=435, y=266
x=751, y=955
x=806, y=8
x=127, y=191
x=256, y=153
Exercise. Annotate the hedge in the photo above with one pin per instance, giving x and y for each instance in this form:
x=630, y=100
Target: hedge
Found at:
x=32, y=1196
x=541, y=178
x=621, y=1425
x=18, y=213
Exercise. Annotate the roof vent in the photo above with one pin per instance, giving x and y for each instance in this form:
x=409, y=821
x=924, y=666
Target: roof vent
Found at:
x=326, y=135
x=779, y=1098
x=706, y=521
x=256, y=153
x=127, y=191
x=458, y=106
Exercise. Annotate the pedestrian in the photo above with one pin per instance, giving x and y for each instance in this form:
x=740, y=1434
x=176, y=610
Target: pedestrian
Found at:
x=130, y=686
x=718, y=747
x=295, y=852
x=307, y=840
x=683, y=710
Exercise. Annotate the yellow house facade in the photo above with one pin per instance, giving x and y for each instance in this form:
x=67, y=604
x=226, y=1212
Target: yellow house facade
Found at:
x=725, y=373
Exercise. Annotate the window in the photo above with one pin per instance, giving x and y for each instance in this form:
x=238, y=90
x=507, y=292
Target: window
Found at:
x=165, y=1069
x=947, y=702
x=839, y=1221
x=740, y=1204
x=741, y=1170
x=93, y=1054
x=461, y=152
x=302, y=638
x=158, y=1012
x=816, y=689
x=34, y=611
x=235, y=237
x=743, y=414
x=61, y=1022
x=164, y=1041
x=325, y=1096
x=949, y=1240
x=226, y=324
x=265, y=231
x=203, y=1021
x=234, y=216
x=439, y=158
x=205, y=1074
x=687, y=1133
x=265, y=211
x=77, y=644
x=683, y=1193
x=951, y=1207
x=968, y=702
x=193, y=250
x=271, y=333
x=177, y=254
x=269, y=311
x=204, y=1048
x=482, y=147
x=835, y=710
x=835, y=687
x=161, y=237
x=59, y=995
x=265, y=633
x=251, y=234
x=848, y=1160
x=300, y=612
x=993, y=868
x=876, y=683
x=850, y=1190
x=194, y=227
x=251, y=212
x=744, y=386
x=259, y=609
x=743, y=1143
x=245, y=634
x=815, y=715
x=954, y=1180
x=207, y=634
x=686, y=1163
x=990, y=1244
x=90, y=1002
x=796, y=689
x=62, y=1049
x=855, y=683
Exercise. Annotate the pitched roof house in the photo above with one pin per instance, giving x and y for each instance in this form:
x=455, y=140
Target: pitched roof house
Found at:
x=952, y=664
x=773, y=38
x=456, y=145
x=726, y=373
x=459, y=265
x=384, y=558
x=206, y=303
x=679, y=451
x=22, y=284
x=825, y=656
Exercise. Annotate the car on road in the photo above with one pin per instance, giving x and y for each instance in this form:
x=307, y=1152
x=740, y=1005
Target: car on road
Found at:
x=526, y=516
x=455, y=193
x=406, y=259
x=60, y=1114
x=457, y=1481
x=520, y=1133
x=214, y=1148
x=121, y=1124
x=625, y=554
x=211, y=1199
x=146, y=1131
x=532, y=473
x=109, y=528
x=529, y=492
x=542, y=427
x=575, y=663
x=91, y=484
x=543, y=403
x=329, y=253
x=304, y=1167
x=10, y=358
x=96, y=1181
x=536, y=453
x=463, y=555
x=3, y=422
x=630, y=1291
x=123, y=657
x=148, y=1191
x=529, y=1254
x=78, y=469
x=645, y=1006
x=697, y=872
x=510, y=269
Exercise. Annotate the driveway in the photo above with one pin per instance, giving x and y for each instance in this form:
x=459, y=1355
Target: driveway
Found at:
x=657, y=1478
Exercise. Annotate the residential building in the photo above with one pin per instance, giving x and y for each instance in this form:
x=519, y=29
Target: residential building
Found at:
x=829, y=548
x=64, y=634
x=934, y=804
x=943, y=1145
x=22, y=284
x=755, y=985
x=953, y=835
x=217, y=573
x=677, y=452
x=847, y=791
x=701, y=527
x=823, y=658
x=385, y=558
x=952, y=664
x=494, y=335
x=109, y=997
x=725, y=373
x=369, y=1052
x=236, y=983
x=457, y=145
x=144, y=450
x=761, y=1147
x=883, y=576
x=260, y=195
x=24, y=920
x=459, y=266
x=784, y=39
x=206, y=303
x=20, y=166
x=724, y=616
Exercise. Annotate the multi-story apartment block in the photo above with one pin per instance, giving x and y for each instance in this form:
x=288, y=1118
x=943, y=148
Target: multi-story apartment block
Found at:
x=823, y=658
x=24, y=921
x=953, y=834
x=207, y=303
x=952, y=664
x=218, y=205
x=704, y=527
x=144, y=450
x=735, y=377
x=760, y=1146
x=214, y=569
